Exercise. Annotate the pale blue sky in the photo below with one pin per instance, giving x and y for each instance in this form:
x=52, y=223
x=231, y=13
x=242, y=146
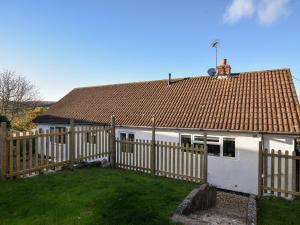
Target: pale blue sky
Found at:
x=60, y=45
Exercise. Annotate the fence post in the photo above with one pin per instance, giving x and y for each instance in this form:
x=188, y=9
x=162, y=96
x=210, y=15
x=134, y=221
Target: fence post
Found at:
x=260, y=169
x=72, y=142
x=205, y=158
x=113, y=142
x=153, y=148
x=3, y=150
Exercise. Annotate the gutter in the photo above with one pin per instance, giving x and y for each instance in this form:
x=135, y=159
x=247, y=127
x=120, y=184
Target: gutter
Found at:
x=294, y=134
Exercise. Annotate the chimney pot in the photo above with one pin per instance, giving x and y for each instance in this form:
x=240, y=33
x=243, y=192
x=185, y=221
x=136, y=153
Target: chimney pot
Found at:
x=224, y=62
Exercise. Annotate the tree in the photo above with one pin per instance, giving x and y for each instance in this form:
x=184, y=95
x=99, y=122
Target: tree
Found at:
x=16, y=94
x=4, y=119
x=24, y=122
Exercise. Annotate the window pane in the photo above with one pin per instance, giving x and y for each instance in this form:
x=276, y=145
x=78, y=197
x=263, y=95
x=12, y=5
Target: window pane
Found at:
x=186, y=139
x=212, y=139
x=229, y=147
x=131, y=146
x=61, y=129
x=213, y=150
x=52, y=130
x=199, y=138
x=208, y=139
x=123, y=145
x=122, y=136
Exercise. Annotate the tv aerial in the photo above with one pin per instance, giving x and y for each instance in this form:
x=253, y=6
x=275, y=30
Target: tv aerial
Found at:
x=215, y=44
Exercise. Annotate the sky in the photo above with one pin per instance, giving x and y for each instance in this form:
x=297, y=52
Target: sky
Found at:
x=63, y=44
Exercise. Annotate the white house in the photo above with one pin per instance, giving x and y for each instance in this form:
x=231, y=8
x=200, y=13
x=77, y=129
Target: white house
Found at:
x=238, y=111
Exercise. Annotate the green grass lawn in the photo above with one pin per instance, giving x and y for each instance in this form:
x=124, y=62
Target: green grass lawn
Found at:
x=278, y=211
x=91, y=196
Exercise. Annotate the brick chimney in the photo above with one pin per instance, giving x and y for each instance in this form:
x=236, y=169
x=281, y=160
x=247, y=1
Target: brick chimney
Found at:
x=224, y=69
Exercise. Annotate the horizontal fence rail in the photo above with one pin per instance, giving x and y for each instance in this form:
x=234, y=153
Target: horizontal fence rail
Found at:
x=28, y=153
x=279, y=173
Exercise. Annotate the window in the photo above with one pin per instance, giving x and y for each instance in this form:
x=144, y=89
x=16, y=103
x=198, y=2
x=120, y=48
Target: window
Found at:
x=93, y=135
x=131, y=146
x=213, y=144
x=229, y=147
x=129, y=137
x=60, y=138
x=186, y=140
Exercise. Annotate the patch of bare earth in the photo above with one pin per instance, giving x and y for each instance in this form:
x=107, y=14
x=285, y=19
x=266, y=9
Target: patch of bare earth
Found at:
x=230, y=209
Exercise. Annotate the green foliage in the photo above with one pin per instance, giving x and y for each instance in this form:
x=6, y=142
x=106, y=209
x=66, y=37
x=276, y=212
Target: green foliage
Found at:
x=91, y=196
x=278, y=211
x=4, y=118
x=24, y=122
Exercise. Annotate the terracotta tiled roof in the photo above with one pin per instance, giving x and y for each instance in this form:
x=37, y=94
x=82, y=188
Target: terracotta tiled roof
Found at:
x=263, y=101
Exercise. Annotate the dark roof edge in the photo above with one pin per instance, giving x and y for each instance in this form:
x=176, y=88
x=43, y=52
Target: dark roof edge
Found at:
x=180, y=128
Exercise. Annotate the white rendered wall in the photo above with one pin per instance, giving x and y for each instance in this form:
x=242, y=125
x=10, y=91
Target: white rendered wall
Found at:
x=236, y=174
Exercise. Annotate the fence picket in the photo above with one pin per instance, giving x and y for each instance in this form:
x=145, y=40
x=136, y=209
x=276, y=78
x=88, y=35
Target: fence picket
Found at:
x=192, y=161
x=294, y=173
x=18, y=154
x=52, y=146
x=178, y=160
x=182, y=161
x=24, y=157
x=61, y=145
x=196, y=162
x=42, y=148
x=279, y=174
x=201, y=161
x=57, y=146
x=265, y=170
x=272, y=171
x=67, y=150
x=81, y=143
x=11, y=158
x=169, y=160
x=286, y=174
x=47, y=149
x=166, y=158
x=187, y=161
x=173, y=157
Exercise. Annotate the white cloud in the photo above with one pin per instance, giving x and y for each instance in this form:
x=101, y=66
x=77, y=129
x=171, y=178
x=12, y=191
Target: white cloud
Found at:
x=239, y=9
x=266, y=11
x=269, y=11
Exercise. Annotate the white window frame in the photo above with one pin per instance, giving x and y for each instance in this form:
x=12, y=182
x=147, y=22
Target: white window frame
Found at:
x=220, y=143
x=236, y=157
x=127, y=134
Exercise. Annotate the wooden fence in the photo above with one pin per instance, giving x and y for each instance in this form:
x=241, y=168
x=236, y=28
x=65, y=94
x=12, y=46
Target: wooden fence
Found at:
x=27, y=153
x=163, y=159
x=278, y=173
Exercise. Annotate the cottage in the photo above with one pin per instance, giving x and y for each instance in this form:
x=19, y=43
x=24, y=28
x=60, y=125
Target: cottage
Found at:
x=239, y=112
